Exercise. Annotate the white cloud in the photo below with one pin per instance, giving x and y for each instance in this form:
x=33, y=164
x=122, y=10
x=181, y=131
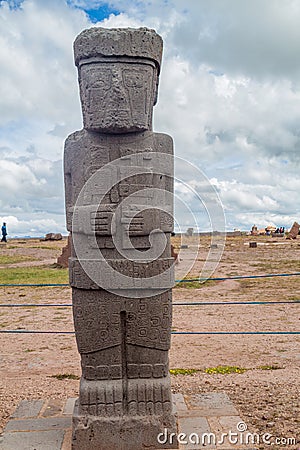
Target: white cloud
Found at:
x=31, y=227
x=229, y=96
x=258, y=38
x=38, y=80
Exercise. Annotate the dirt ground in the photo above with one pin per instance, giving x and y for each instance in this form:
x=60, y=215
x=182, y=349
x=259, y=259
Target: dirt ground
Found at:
x=266, y=394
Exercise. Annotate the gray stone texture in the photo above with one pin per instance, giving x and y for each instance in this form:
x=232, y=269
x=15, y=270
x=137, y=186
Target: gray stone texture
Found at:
x=42, y=424
x=294, y=231
x=211, y=404
x=180, y=402
x=63, y=259
x=40, y=440
x=69, y=406
x=53, y=408
x=195, y=425
x=60, y=439
x=53, y=237
x=121, y=305
x=27, y=409
x=130, y=42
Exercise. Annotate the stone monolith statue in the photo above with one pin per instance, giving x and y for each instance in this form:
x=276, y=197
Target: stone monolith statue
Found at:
x=119, y=184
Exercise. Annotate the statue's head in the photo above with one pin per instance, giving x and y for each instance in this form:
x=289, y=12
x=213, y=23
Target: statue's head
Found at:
x=118, y=78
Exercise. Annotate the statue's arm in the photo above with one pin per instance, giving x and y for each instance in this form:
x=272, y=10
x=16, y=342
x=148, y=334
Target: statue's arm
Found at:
x=70, y=154
x=164, y=144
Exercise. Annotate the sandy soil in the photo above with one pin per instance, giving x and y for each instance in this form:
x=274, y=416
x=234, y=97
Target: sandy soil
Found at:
x=266, y=394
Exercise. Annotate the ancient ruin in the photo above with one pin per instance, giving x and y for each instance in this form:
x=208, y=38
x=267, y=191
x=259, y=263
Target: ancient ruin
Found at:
x=118, y=185
x=294, y=231
x=63, y=259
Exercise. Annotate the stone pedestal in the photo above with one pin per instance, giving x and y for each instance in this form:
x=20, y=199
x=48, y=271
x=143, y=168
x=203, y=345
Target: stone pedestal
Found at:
x=138, y=428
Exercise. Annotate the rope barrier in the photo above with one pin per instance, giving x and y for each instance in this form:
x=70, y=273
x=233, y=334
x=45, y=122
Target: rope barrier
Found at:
x=237, y=277
x=34, y=285
x=174, y=304
x=36, y=332
x=172, y=332
x=30, y=305
x=65, y=305
x=235, y=332
x=233, y=303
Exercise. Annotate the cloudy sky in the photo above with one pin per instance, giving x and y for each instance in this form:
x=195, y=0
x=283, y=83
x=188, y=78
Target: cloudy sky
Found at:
x=229, y=96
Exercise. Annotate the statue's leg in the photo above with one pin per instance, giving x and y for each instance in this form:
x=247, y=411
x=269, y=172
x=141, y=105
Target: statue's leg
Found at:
x=99, y=339
x=125, y=395
x=147, y=344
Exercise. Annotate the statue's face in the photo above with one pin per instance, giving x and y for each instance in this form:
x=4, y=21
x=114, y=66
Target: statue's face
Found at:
x=117, y=97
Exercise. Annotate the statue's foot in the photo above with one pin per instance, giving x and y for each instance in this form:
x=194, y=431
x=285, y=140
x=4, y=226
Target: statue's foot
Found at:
x=101, y=397
x=134, y=397
x=148, y=396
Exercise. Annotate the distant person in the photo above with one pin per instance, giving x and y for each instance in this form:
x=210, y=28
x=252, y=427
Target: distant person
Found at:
x=4, y=232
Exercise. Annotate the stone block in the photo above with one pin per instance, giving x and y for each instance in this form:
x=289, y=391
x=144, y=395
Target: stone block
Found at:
x=211, y=404
x=40, y=440
x=124, y=432
x=57, y=423
x=63, y=259
x=195, y=431
x=180, y=402
x=53, y=408
x=28, y=409
x=69, y=406
x=53, y=237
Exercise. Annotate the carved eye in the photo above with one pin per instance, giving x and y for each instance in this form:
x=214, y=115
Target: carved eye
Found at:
x=101, y=80
x=102, y=83
x=133, y=79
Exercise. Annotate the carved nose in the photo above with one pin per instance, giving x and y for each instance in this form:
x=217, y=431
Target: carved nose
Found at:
x=118, y=85
x=119, y=90
x=118, y=80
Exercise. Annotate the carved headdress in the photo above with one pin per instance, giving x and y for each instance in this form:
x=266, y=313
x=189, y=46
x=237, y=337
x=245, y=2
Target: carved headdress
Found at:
x=97, y=43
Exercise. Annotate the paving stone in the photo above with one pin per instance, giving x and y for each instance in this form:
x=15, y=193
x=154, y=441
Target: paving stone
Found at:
x=211, y=404
x=180, y=402
x=193, y=427
x=41, y=440
x=53, y=408
x=69, y=406
x=27, y=409
x=52, y=423
x=55, y=433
